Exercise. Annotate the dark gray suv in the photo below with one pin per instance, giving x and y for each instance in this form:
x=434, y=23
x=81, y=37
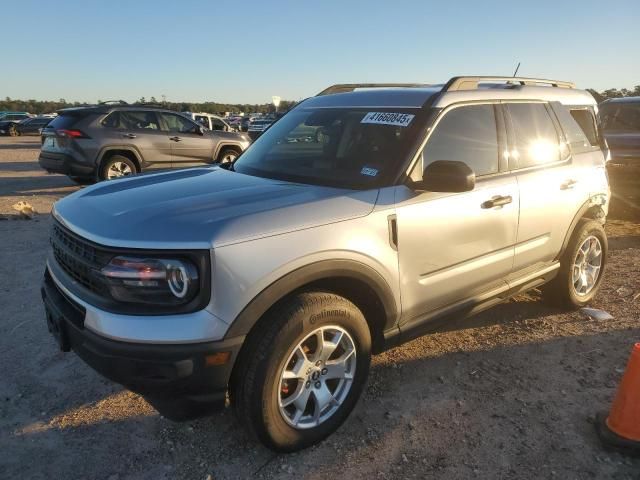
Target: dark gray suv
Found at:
x=105, y=141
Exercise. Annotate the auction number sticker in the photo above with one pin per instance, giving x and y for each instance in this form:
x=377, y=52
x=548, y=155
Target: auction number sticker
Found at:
x=388, y=118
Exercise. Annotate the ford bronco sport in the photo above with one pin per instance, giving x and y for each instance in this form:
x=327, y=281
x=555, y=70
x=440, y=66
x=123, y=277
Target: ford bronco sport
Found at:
x=269, y=282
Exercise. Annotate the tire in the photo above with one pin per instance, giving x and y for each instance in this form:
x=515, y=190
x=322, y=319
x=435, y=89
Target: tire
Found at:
x=227, y=155
x=13, y=131
x=257, y=387
x=562, y=291
x=117, y=163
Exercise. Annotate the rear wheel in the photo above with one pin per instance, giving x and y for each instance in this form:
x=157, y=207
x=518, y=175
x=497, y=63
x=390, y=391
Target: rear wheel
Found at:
x=117, y=166
x=308, y=363
x=227, y=155
x=581, y=267
x=13, y=131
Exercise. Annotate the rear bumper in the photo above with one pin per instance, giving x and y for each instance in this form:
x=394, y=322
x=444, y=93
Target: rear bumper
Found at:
x=163, y=371
x=65, y=164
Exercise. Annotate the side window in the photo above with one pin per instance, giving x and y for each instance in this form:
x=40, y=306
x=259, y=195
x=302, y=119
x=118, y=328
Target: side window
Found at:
x=132, y=120
x=536, y=138
x=112, y=120
x=178, y=123
x=578, y=141
x=202, y=120
x=467, y=134
x=620, y=117
x=587, y=122
x=217, y=124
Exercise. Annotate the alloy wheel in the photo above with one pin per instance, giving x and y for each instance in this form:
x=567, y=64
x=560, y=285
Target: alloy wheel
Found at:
x=317, y=377
x=587, y=265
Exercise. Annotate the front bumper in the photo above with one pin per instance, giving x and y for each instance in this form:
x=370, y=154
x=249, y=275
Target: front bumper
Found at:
x=65, y=164
x=176, y=371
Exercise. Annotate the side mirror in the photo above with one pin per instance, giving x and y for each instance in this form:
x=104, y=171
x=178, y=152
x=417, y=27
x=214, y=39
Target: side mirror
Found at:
x=446, y=176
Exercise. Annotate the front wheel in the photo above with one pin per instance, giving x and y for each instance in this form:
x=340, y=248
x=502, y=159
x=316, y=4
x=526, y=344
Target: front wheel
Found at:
x=581, y=267
x=228, y=155
x=303, y=370
x=13, y=131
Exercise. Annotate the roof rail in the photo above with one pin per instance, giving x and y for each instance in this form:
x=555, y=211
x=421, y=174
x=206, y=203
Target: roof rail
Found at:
x=116, y=102
x=350, y=87
x=471, y=83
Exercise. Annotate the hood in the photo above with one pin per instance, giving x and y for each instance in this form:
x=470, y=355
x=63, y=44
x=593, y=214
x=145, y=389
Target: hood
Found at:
x=203, y=208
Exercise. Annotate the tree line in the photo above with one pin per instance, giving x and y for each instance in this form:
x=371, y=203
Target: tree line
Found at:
x=49, y=106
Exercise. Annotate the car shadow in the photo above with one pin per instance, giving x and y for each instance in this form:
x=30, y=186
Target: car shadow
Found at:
x=20, y=167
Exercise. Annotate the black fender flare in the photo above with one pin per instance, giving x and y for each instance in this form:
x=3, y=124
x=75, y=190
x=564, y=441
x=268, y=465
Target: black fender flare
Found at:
x=594, y=204
x=322, y=270
x=222, y=145
x=104, y=150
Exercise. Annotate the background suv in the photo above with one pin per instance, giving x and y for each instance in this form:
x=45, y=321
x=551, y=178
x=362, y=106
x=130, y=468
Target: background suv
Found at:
x=275, y=278
x=109, y=141
x=620, y=118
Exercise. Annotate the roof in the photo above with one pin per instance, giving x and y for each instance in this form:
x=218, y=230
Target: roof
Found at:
x=622, y=100
x=457, y=89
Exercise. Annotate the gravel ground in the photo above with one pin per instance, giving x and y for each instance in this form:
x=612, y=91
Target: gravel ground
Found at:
x=511, y=393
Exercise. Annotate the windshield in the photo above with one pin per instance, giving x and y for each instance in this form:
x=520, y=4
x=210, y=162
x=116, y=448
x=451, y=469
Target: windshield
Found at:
x=621, y=117
x=344, y=147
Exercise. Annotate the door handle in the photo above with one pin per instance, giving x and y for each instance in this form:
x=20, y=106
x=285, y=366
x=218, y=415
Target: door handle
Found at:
x=175, y=139
x=129, y=135
x=497, y=201
x=568, y=184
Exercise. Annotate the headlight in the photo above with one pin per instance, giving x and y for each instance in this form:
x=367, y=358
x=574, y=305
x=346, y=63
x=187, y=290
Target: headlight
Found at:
x=158, y=281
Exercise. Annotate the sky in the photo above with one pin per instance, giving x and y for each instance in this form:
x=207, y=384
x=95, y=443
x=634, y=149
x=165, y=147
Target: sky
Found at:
x=245, y=51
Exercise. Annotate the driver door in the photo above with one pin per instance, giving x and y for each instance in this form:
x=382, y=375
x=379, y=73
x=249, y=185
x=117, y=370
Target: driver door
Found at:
x=188, y=146
x=455, y=247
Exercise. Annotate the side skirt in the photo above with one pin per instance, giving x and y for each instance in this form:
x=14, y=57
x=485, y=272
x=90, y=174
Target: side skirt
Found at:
x=438, y=319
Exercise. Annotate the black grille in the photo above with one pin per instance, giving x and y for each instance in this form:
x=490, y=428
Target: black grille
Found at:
x=79, y=258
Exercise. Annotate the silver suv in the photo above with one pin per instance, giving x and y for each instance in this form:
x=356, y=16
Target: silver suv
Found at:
x=269, y=282
x=108, y=141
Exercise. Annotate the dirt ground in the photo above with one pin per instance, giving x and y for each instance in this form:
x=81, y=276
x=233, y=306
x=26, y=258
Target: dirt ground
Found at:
x=510, y=394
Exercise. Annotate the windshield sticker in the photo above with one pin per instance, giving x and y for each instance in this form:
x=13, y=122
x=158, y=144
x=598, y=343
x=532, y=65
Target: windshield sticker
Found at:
x=388, y=118
x=372, y=172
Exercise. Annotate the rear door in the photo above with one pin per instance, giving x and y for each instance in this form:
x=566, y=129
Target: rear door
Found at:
x=551, y=187
x=139, y=129
x=456, y=247
x=188, y=146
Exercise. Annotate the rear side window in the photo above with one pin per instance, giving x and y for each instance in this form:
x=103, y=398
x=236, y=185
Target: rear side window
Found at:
x=63, y=121
x=587, y=122
x=466, y=134
x=139, y=120
x=578, y=141
x=535, y=135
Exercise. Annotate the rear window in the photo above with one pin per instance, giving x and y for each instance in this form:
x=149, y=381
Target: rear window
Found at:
x=63, y=121
x=620, y=117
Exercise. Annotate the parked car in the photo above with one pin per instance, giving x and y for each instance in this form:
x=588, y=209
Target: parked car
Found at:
x=275, y=278
x=9, y=122
x=620, y=118
x=257, y=127
x=108, y=141
x=31, y=126
x=210, y=121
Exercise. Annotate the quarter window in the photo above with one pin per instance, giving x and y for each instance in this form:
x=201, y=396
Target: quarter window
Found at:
x=585, y=119
x=466, y=134
x=535, y=135
x=574, y=134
